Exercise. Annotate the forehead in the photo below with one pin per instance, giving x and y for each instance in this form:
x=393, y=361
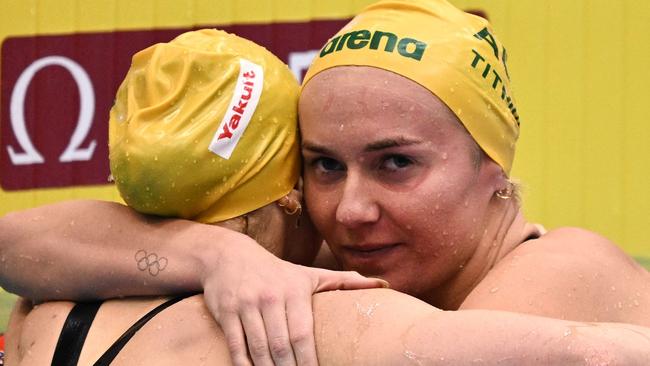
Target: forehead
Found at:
x=368, y=102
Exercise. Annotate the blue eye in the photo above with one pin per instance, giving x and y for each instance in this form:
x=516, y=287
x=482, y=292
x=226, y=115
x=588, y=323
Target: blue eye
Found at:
x=328, y=165
x=396, y=162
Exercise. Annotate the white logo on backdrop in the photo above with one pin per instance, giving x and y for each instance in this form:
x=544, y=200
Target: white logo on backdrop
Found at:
x=74, y=151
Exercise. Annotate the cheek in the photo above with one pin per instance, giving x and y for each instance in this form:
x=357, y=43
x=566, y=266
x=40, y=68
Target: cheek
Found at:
x=439, y=212
x=319, y=204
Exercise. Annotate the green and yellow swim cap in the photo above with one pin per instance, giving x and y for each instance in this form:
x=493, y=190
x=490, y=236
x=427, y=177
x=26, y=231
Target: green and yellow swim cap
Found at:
x=205, y=128
x=453, y=54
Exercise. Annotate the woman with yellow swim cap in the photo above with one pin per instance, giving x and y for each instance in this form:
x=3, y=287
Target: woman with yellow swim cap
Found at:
x=409, y=127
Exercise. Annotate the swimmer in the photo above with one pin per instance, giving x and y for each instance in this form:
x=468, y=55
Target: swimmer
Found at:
x=143, y=145
x=426, y=205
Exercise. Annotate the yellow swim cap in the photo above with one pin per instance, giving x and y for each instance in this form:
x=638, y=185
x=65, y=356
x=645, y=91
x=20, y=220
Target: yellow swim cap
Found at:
x=205, y=128
x=453, y=54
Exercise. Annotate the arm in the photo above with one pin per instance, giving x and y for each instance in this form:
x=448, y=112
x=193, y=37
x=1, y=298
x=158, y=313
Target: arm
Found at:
x=92, y=249
x=46, y=250
x=371, y=327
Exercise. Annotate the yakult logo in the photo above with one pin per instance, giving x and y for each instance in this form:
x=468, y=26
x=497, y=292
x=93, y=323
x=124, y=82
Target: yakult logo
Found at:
x=242, y=107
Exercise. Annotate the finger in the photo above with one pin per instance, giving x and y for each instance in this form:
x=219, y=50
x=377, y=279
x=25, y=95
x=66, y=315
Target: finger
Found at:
x=234, y=333
x=275, y=321
x=300, y=319
x=335, y=280
x=258, y=345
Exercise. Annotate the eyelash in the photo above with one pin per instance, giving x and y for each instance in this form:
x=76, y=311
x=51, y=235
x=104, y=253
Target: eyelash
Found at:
x=317, y=163
x=409, y=161
x=403, y=163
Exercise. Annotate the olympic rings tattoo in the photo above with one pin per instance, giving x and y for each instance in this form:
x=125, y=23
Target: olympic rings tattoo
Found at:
x=150, y=261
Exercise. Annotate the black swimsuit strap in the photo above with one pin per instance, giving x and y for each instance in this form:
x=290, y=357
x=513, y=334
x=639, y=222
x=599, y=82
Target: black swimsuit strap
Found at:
x=112, y=352
x=74, y=332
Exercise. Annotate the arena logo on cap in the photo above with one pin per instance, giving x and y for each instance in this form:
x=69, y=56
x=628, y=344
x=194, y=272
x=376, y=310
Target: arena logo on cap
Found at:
x=361, y=38
x=242, y=106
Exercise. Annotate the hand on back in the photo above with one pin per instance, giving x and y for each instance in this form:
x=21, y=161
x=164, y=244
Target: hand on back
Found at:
x=264, y=304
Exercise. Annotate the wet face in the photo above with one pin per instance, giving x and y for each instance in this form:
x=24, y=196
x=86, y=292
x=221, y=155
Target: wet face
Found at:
x=391, y=178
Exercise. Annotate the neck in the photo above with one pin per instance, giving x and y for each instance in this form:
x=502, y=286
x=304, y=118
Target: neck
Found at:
x=505, y=229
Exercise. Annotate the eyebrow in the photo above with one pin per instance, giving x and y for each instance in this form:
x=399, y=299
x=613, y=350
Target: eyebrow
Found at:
x=388, y=143
x=374, y=146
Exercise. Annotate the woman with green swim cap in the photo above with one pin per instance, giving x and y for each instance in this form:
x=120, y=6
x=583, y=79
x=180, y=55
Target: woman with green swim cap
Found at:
x=405, y=185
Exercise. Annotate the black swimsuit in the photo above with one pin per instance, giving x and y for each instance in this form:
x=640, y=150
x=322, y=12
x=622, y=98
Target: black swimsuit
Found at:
x=76, y=326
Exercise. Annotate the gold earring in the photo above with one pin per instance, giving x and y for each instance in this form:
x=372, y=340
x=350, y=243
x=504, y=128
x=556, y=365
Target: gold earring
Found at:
x=291, y=207
x=505, y=193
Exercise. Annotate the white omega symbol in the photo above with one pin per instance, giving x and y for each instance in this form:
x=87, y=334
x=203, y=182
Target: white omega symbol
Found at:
x=74, y=151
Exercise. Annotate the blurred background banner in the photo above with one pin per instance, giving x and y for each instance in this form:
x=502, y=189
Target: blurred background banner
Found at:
x=579, y=71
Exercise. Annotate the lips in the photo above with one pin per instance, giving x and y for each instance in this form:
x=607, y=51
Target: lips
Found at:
x=369, y=251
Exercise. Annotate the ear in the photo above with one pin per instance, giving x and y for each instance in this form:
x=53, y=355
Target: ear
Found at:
x=299, y=187
x=494, y=176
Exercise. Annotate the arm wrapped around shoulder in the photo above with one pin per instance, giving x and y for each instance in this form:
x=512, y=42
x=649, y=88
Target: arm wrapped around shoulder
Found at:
x=370, y=327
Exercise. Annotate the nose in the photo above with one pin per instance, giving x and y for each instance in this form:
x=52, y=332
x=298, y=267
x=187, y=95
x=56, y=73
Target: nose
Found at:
x=357, y=205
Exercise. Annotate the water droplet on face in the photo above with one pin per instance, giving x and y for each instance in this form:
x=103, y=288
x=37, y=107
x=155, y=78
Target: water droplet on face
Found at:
x=567, y=332
x=72, y=223
x=636, y=303
x=494, y=290
x=341, y=126
x=613, y=288
x=444, y=156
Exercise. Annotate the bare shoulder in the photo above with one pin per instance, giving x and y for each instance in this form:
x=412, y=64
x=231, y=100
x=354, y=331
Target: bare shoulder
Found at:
x=568, y=273
x=183, y=334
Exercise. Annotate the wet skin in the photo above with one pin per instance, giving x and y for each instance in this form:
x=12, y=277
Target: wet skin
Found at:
x=392, y=180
